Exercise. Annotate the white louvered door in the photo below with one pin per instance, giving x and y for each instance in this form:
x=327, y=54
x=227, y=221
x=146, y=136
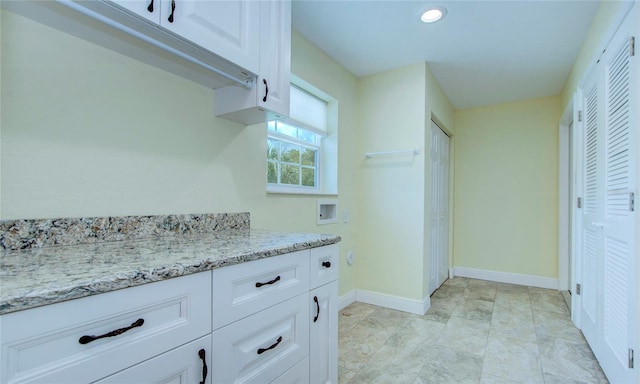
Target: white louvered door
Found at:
x=609, y=283
x=619, y=230
x=591, y=236
x=439, y=249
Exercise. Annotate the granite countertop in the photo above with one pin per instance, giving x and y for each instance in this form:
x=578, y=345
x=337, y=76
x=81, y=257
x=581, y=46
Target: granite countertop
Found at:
x=35, y=277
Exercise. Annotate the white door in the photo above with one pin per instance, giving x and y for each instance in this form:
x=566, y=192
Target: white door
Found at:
x=592, y=207
x=608, y=235
x=439, y=211
x=619, y=231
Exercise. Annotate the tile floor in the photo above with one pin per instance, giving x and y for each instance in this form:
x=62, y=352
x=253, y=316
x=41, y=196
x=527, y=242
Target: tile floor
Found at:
x=476, y=331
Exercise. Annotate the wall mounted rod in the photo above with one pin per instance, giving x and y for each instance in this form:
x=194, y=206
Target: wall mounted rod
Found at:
x=369, y=155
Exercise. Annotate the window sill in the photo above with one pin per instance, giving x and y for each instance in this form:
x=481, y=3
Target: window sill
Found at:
x=298, y=191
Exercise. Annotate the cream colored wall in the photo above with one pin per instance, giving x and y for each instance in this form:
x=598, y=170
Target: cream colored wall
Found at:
x=594, y=43
x=89, y=132
x=391, y=206
x=396, y=108
x=506, y=164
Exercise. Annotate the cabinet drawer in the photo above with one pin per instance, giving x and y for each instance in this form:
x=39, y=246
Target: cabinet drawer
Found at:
x=44, y=344
x=243, y=289
x=181, y=365
x=323, y=263
x=261, y=347
x=298, y=374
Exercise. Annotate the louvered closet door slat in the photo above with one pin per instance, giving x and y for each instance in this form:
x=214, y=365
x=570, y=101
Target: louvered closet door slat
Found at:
x=591, y=153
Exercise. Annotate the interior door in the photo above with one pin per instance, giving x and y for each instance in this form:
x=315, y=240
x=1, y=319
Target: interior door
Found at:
x=439, y=248
x=443, y=207
x=592, y=207
x=619, y=230
x=608, y=235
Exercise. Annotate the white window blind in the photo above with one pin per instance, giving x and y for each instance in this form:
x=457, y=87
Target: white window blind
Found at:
x=308, y=110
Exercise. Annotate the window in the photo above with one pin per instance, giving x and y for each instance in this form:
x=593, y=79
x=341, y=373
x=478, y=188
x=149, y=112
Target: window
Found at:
x=300, y=154
x=292, y=155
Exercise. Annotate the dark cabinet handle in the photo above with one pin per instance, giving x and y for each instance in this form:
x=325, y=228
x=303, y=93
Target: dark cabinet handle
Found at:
x=266, y=91
x=259, y=284
x=150, y=7
x=263, y=350
x=87, y=339
x=315, y=298
x=205, y=370
x=173, y=9
x=326, y=264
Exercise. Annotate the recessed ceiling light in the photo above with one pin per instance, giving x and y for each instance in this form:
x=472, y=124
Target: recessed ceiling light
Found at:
x=433, y=14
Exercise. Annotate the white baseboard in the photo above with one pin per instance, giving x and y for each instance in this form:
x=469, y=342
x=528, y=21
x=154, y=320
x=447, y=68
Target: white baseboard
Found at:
x=346, y=299
x=505, y=277
x=419, y=307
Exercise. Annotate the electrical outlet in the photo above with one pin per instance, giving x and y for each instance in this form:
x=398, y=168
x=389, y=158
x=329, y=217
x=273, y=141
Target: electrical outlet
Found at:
x=350, y=258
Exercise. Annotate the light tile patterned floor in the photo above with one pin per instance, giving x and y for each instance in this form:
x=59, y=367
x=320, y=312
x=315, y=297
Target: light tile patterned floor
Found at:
x=476, y=331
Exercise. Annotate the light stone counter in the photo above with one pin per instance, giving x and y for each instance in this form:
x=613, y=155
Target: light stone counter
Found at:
x=41, y=276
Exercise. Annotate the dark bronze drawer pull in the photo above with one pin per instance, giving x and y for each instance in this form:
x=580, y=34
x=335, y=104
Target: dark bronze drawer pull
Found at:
x=263, y=350
x=87, y=339
x=315, y=318
x=150, y=7
x=205, y=370
x=326, y=264
x=259, y=284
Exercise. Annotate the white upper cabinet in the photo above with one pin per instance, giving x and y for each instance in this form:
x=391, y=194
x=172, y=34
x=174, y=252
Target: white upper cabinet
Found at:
x=270, y=96
x=230, y=29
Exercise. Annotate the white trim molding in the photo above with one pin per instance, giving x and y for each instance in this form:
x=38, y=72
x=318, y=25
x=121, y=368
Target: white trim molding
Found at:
x=506, y=277
x=346, y=299
x=418, y=307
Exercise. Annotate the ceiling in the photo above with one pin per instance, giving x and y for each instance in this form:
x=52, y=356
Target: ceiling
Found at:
x=481, y=53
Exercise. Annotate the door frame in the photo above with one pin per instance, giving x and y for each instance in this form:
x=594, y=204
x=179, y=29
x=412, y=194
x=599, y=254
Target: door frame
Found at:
x=565, y=200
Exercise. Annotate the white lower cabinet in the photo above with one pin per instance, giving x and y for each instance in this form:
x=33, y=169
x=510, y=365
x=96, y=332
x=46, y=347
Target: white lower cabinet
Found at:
x=187, y=364
x=264, y=321
x=323, y=343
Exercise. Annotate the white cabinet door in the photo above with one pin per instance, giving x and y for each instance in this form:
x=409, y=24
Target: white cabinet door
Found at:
x=323, y=343
x=148, y=9
x=275, y=56
x=187, y=364
x=270, y=96
x=230, y=29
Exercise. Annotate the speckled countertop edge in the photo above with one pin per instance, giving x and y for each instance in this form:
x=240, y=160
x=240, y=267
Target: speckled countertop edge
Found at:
x=37, y=277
